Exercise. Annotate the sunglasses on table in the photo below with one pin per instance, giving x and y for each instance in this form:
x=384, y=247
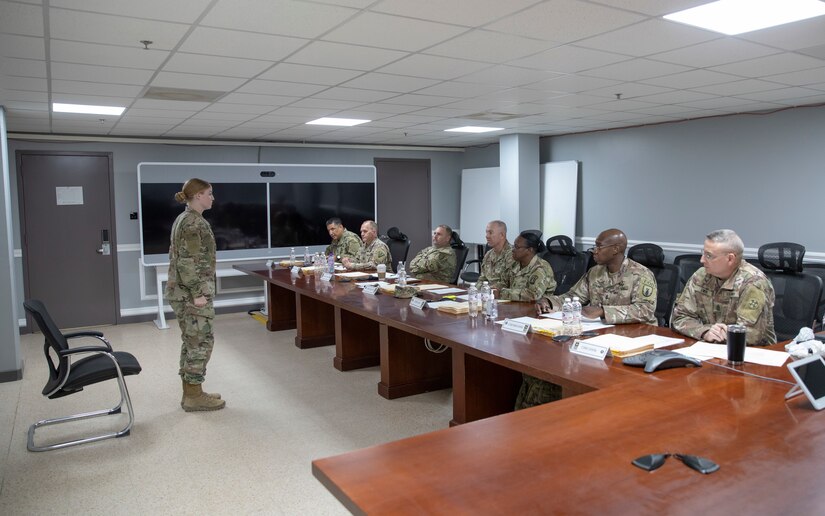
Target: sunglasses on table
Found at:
x=655, y=461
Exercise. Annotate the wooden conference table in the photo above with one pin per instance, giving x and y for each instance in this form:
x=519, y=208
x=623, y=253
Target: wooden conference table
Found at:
x=572, y=456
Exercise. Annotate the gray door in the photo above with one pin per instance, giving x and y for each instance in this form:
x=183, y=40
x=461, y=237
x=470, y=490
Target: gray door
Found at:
x=404, y=199
x=66, y=226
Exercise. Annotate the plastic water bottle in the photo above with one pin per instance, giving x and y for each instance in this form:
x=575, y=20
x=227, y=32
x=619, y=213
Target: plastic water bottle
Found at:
x=492, y=308
x=472, y=300
x=567, y=316
x=484, y=295
x=402, y=275
x=577, y=316
x=306, y=255
x=331, y=263
x=291, y=256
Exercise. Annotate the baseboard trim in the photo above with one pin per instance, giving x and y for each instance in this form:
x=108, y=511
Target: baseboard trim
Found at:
x=11, y=376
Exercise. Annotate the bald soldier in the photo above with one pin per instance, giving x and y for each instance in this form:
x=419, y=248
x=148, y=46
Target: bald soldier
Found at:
x=373, y=251
x=617, y=289
x=727, y=290
x=345, y=244
x=499, y=259
x=437, y=262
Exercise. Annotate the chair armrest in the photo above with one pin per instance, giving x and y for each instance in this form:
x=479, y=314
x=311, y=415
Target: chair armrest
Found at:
x=93, y=334
x=86, y=349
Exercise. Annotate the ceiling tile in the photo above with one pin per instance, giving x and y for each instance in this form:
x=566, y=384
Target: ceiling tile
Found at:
x=103, y=74
x=211, y=65
x=569, y=59
x=653, y=7
x=565, y=21
x=715, y=52
x=411, y=99
x=727, y=104
x=184, y=12
x=106, y=55
x=90, y=88
x=573, y=84
x=152, y=104
x=95, y=100
x=433, y=67
x=257, y=100
x=737, y=87
x=629, y=90
x=23, y=83
x=648, y=37
x=508, y=76
x=770, y=65
x=281, y=17
x=791, y=36
x=691, y=79
x=459, y=89
x=331, y=104
x=226, y=107
x=289, y=89
x=801, y=78
x=21, y=19
x=113, y=30
x=23, y=67
x=39, y=96
x=793, y=95
x=675, y=97
x=23, y=47
x=323, y=53
x=492, y=47
x=309, y=74
x=354, y=94
x=636, y=70
x=459, y=12
x=235, y=43
x=388, y=82
x=385, y=31
x=196, y=81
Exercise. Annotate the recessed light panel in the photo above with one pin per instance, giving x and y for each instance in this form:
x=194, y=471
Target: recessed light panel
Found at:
x=87, y=110
x=344, y=122
x=473, y=129
x=739, y=16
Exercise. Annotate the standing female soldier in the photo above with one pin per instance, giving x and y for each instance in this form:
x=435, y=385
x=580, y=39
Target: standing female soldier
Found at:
x=190, y=289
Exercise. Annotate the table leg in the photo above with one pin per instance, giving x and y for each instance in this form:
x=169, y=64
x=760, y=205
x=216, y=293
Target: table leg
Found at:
x=481, y=389
x=356, y=341
x=407, y=367
x=280, y=308
x=316, y=323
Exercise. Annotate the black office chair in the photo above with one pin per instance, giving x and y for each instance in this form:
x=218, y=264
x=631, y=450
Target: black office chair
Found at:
x=461, y=251
x=797, y=293
x=568, y=264
x=688, y=264
x=68, y=376
x=468, y=276
x=818, y=269
x=667, y=277
x=399, y=246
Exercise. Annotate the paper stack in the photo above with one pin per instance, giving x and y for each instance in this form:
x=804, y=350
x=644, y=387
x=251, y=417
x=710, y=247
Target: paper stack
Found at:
x=453, y=307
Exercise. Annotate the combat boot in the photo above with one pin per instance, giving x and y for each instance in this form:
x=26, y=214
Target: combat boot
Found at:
x=194, y=399
x=215, y=395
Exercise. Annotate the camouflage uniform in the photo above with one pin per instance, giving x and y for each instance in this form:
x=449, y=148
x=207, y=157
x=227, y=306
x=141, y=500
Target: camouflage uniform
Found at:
x=536, y=392
x=629, y=296
x=746, y=298
x=434, y=263
x=494, y=266
x=528, y=283
x=191, y=275
x=371, y=255
x=347, y=246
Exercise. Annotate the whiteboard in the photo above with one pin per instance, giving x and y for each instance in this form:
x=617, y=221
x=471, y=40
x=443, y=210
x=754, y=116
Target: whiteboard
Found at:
x=481, y=200
x=559, y=193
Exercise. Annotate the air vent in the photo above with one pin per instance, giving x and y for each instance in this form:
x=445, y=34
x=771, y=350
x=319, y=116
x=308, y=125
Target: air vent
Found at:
x=493, y=116
x=182, y=94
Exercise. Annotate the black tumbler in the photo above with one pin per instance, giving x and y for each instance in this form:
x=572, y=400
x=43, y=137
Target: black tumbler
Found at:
x=736, y=344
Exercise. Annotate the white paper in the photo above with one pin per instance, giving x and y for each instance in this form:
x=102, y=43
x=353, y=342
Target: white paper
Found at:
x=429, y=286
x=69, y=195
x=436, y=304
x=353, y=275
x=659, y=341
x=705, y=350
x=450, y=290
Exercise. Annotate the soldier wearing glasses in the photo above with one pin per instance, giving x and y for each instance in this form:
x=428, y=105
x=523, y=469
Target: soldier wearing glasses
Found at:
x=530, y=277
x=618, y=289
x=727, y=290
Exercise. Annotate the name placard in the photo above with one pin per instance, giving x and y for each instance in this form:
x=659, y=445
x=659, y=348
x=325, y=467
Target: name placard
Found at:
x=295, y=270
x=589, y=350
x=326, y=276
x=516, y=327
x=371, y=289
x=418, y=302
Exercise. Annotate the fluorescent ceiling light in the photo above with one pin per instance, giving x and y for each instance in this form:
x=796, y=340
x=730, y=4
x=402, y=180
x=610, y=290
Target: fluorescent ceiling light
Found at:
x=87, y=110
x=738, y=16
x=473, y=129
x=346, y=122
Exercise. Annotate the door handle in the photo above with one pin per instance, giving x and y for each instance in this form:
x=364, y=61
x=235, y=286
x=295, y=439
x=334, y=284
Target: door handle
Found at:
x=105, y=245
